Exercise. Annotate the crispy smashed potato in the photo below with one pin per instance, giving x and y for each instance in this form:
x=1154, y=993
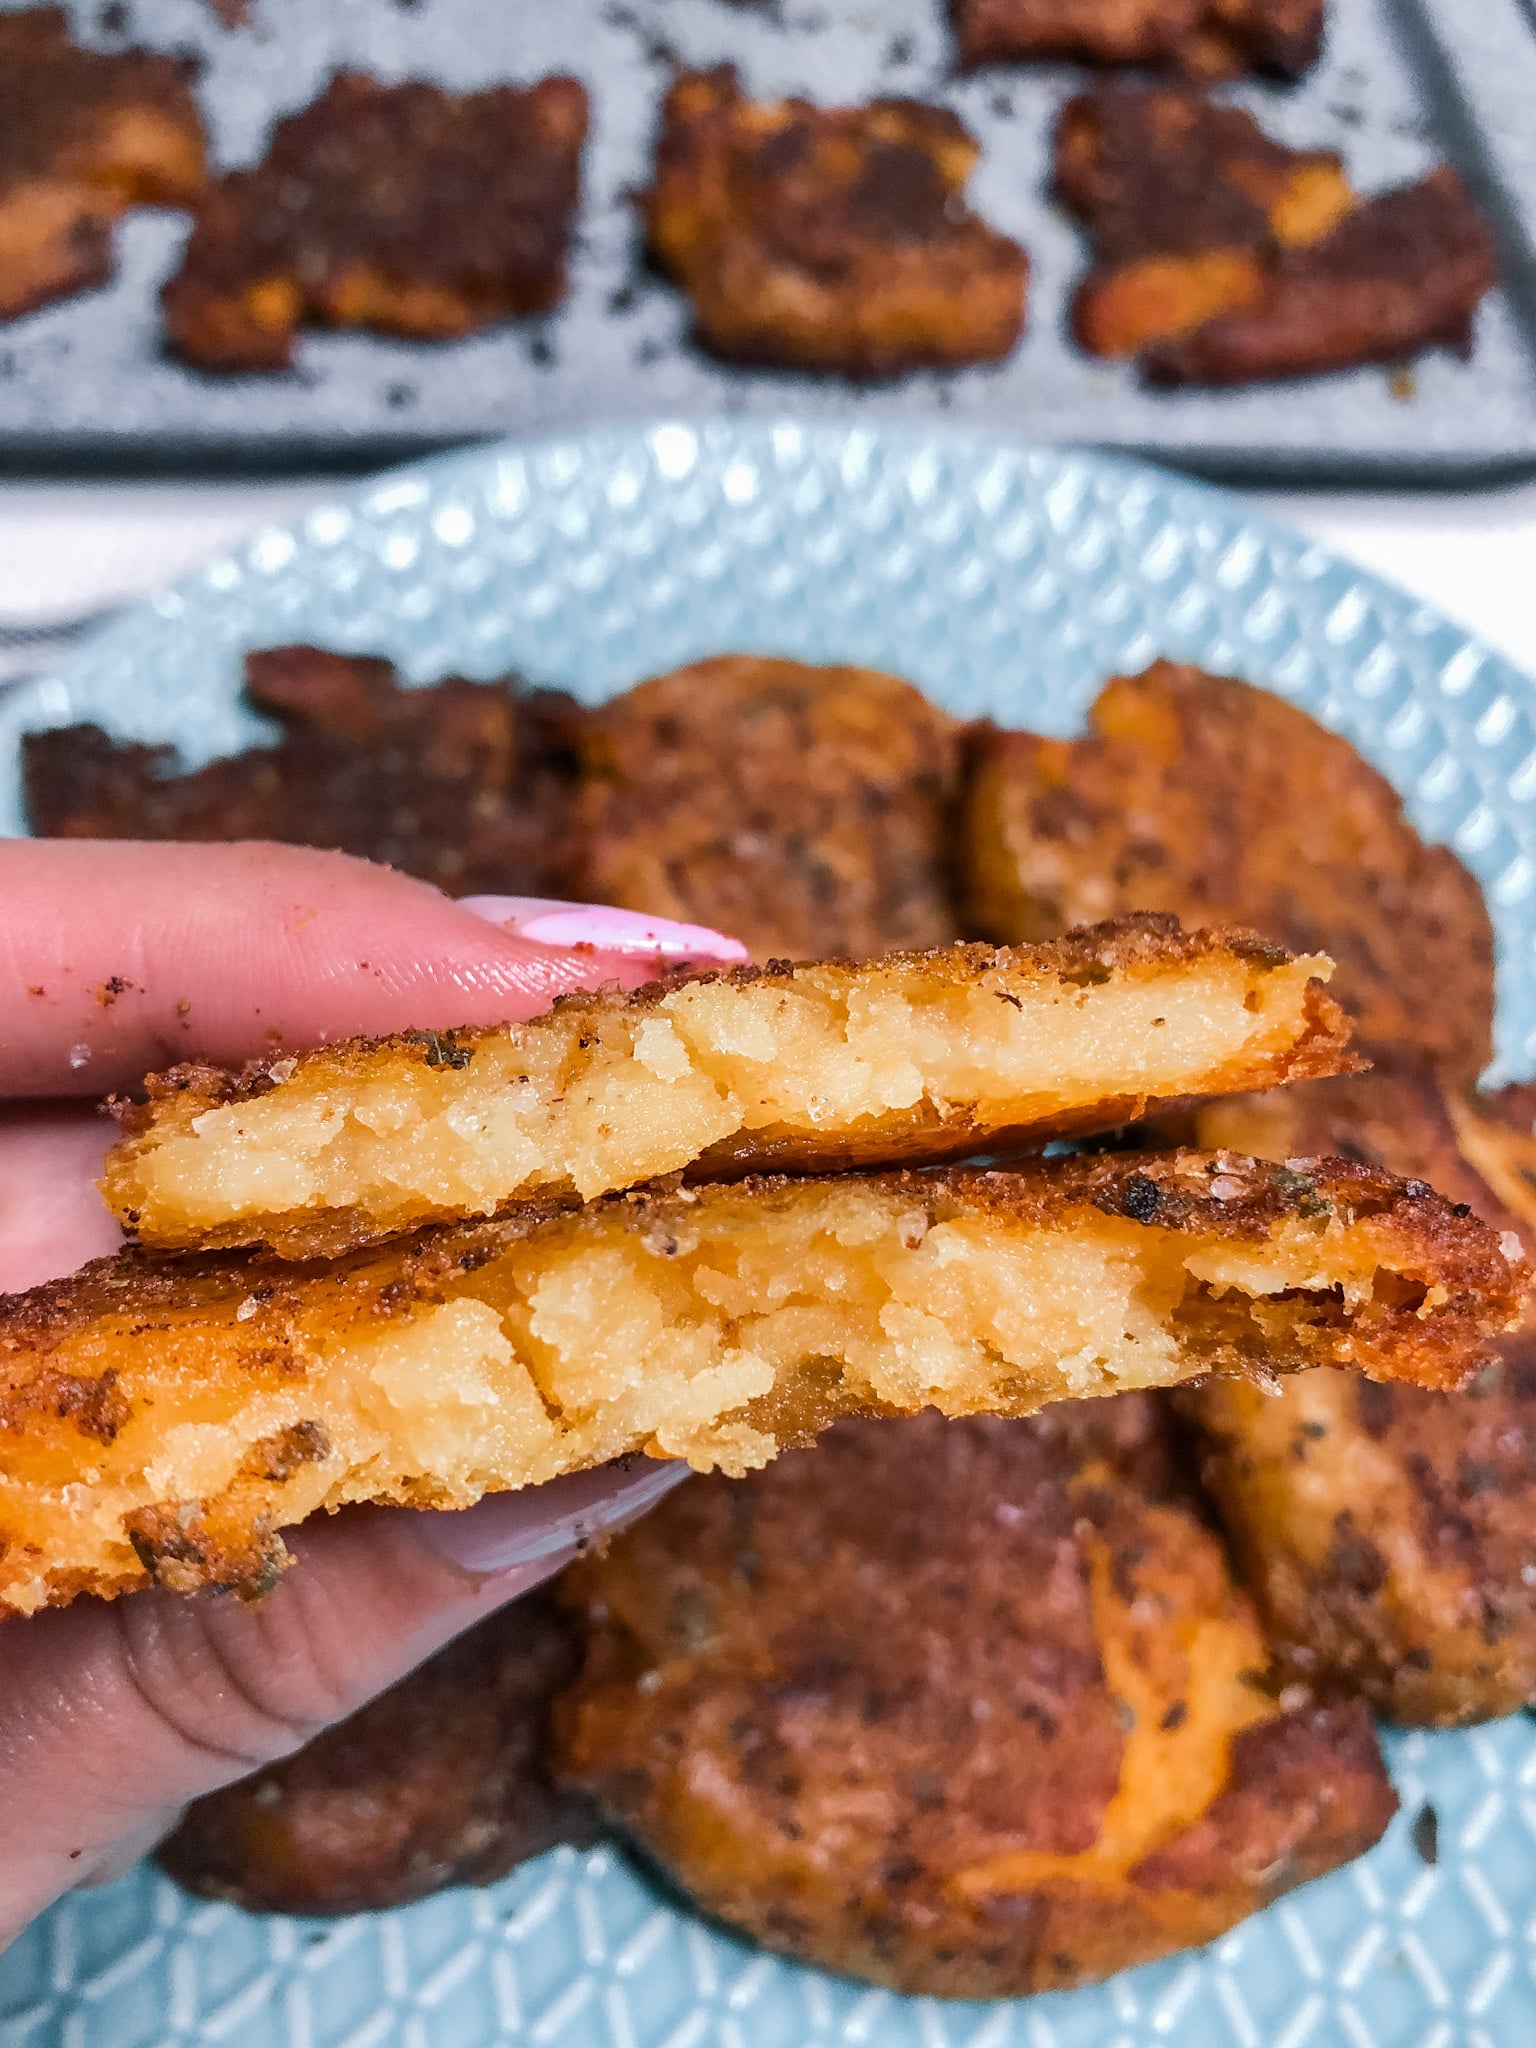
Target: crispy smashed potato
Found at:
x=441, y=1780
x=914, y=1058
x=1386, y=1531
x=970, y=1709
x=832, y=239
x=401, y=208
x=84, y=135
x=1223, y=257
x=472, y=786
x=1202, y=796
x=1203, y=38
x=1402, y=273
x=164, y=1418
x=808, y=811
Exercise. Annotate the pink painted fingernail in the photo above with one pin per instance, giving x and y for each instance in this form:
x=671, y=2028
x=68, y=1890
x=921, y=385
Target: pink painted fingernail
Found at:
x=508, y=1530
x=547, y=921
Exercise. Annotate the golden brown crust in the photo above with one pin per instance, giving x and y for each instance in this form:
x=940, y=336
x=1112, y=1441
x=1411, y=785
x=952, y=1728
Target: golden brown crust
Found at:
x=1386, y=1532
x=832, y=239
x=1222, y=257
x=618, y=1088
x=441, y=1780
x=470, y=785
x=1203, y=38
x=1402, y=273
x=401, y=208
x=163, y=1419
x=1200, y=795
x=971, y=1709
x=84, y=135
x=806, y=810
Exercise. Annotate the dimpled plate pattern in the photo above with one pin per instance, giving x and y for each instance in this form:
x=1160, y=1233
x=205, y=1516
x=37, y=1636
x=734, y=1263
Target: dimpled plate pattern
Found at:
x=1005, y=580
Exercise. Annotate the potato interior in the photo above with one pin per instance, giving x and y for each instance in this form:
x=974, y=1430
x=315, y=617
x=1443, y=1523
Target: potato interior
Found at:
x=597, y=1097
x=172, y=1432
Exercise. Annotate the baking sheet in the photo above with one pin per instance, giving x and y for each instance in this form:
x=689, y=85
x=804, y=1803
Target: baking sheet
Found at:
x=86, y=384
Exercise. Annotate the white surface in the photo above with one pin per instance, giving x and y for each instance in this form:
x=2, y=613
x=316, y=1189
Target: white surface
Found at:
x=69, y=548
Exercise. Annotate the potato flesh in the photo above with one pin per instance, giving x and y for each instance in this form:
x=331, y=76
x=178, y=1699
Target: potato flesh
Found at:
x=653, y=1091
x=587, y=1339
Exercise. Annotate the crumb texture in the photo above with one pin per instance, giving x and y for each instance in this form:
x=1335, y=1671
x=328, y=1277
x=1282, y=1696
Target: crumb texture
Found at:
x=914, y=1057
x=164, y=1419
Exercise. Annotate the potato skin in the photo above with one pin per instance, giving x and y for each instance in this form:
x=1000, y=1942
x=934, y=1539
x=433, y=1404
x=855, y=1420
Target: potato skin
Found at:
x=441, y=1780
x=970, y=1709
x=1203, y=796
x=1387, y=1532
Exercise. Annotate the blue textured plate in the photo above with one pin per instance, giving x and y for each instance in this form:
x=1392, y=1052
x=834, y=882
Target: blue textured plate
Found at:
x=1004, y=580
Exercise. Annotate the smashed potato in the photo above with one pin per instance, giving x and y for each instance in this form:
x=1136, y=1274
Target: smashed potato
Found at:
x=913, y=1058
x=1199, y=795
x=164, y=1418
x=970, y=1709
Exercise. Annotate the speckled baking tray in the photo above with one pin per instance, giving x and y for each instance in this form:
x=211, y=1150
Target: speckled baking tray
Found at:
x=86, y=384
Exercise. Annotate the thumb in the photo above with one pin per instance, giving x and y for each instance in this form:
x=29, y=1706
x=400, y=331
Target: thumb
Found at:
x=113, y=1715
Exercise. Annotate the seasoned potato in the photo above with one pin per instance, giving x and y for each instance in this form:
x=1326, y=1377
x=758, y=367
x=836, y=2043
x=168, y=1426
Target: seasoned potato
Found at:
x=916, y=1057
x=833, y=239
x=472, y=786
x=1202, y=796
x=1221, y=256
x=441, y=1780
x=400, y=207
x=1387, y=1531
x=964, y=1708
x=165, y=1418
x=808, y=811
x=84, y=135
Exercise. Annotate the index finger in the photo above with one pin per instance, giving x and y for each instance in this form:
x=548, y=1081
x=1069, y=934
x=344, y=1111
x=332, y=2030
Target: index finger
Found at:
x=117, y=958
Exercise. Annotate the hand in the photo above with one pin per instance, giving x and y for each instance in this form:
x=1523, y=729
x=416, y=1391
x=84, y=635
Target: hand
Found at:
x=115, y=960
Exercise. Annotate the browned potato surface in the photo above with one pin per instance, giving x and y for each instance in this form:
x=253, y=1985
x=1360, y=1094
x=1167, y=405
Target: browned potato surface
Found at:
x=833, y=239
x=1204, y=38
x=1224, y=257
x=913, y=1058
x=84, y=135
x=469, y=785
x=1387, y=1531
x=807, y=811
x=1203, y=796
x=165, y=1418
x=401, y=208
x=441, y=1780
x=964, y=1708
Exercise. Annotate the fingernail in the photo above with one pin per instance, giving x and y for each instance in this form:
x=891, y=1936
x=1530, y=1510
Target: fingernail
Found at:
x=549, y=922
x=507, y=1530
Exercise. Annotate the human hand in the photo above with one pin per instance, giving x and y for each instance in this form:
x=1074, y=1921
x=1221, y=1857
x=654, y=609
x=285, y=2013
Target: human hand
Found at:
x=116, y=959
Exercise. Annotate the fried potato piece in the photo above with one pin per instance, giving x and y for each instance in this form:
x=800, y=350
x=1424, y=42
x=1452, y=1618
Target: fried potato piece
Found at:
x=162, y=1419
x=1207, y=38
x=1386, y=1531
x=1222, y=257
x=970, y=1709
x=1206, y=797
x=84, y=135
x=401, y=208
x=807, y=811
x=1401, y=274
x=913, y=1058
x=833, y=239
x=472, y=786
x=1188, y=203
x=441, y=1780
